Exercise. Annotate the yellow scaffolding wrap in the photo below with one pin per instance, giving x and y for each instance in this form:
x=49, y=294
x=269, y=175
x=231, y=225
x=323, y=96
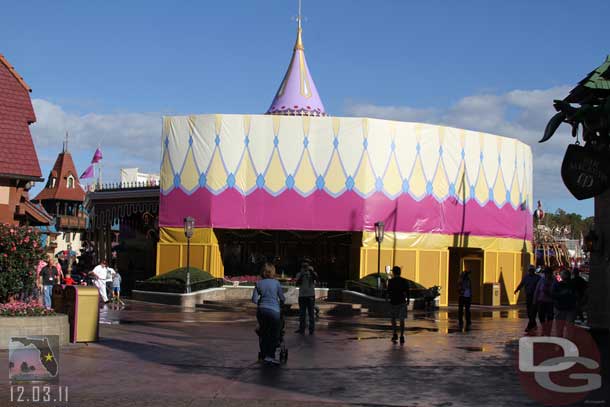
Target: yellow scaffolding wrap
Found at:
x=205, y=253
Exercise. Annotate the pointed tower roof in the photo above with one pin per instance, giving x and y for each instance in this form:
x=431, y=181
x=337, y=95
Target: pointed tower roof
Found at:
x=297, y=94
x=63, y=184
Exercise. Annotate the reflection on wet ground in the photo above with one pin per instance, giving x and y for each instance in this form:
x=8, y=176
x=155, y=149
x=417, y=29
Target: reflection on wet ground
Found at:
x=153, y=355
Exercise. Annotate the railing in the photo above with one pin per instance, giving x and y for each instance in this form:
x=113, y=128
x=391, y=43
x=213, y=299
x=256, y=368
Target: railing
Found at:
x=116, y=186
x=365, y=289
x=71, y=222
x=178, y=287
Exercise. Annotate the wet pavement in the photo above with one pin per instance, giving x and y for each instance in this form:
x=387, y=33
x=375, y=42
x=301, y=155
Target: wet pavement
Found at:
x=153, y=355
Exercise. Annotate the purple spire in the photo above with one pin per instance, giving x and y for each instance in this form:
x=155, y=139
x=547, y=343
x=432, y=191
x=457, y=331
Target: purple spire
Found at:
x=297, y=94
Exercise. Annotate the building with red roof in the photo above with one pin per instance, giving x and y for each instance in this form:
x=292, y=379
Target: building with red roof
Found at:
x=19, y=167
x=63, y=198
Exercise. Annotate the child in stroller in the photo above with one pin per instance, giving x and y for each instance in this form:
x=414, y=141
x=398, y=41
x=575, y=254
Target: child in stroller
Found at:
x=281, y=344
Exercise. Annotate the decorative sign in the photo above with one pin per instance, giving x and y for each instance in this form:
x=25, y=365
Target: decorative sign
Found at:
x=585, y=172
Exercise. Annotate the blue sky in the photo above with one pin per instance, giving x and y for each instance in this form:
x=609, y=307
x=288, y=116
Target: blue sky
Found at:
x=107, y=71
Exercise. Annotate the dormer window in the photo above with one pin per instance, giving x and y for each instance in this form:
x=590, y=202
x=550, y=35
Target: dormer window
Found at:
x=53, y=182
x=70, y=181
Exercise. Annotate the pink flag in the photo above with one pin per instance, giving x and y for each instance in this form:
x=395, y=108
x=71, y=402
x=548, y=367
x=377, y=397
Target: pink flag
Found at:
x=88, y=173
x=97, y=156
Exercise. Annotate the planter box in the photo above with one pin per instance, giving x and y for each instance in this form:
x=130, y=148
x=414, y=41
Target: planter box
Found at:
x=24, y=326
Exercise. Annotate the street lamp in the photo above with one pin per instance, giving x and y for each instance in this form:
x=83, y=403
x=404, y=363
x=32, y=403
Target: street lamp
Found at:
x=379, y=230
x=189, y=226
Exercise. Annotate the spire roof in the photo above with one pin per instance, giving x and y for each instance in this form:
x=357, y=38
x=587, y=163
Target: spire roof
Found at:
x=297, y=94
x=63, y=183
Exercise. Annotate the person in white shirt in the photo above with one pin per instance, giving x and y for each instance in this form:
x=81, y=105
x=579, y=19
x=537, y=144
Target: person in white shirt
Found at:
x=101, y=274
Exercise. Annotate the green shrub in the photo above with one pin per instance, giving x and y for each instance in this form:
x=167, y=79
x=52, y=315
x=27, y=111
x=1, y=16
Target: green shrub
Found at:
x=20, y=252
x=178, y=276
x=371, y=279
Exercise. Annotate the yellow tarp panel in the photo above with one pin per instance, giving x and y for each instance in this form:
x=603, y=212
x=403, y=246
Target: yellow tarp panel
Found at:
x=430, y=241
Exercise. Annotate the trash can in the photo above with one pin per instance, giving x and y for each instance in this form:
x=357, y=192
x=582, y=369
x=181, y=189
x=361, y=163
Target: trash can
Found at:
x=81, y=303
x=491, y=294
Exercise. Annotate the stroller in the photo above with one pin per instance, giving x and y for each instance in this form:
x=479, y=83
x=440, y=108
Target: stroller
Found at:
x=281, y=344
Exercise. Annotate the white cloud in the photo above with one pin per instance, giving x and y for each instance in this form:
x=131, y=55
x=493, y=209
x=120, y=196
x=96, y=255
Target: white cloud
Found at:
x=126, y=139
x=521, y=114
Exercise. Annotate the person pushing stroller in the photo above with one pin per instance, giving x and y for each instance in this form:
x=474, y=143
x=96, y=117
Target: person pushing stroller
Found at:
x=269, y=297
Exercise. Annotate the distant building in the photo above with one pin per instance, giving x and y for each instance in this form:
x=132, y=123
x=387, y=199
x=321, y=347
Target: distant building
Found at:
x=133, y=175
x=63, y=197
x=19, y=167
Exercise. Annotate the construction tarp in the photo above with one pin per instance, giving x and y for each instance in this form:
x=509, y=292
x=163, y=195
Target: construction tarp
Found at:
x=344, y=174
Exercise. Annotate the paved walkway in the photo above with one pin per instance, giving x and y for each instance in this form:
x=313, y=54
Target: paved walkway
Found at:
x=151, y=355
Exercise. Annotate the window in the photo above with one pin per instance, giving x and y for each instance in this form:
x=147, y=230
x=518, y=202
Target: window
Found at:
x=70, y=181
x=53, y=182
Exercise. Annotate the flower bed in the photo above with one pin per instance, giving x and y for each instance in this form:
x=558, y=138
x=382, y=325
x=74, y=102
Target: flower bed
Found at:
x=24, y=309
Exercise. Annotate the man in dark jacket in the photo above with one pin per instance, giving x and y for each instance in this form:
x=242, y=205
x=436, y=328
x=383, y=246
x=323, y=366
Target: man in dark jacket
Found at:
x=306, y=281
x=565, y=302
x=580, y=286
x=529, y=283
x=399, y=296
x=465, y=299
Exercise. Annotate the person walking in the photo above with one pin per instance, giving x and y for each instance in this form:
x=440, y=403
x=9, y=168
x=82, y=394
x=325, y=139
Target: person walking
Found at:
x=49, y=276
x=580, y=286
x=100, y=275
x=399, y=296
x=528, y=283
x=465, y=299
x=565, y=302
x=269, y=297
x=306, y=281
x=116, y=287
x=543, y=299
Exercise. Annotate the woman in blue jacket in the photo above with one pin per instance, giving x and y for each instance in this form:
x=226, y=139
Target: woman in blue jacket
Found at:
x=269, y=297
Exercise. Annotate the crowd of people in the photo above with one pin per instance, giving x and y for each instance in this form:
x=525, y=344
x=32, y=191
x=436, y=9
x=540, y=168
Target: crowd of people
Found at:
x=54, y=271
x=553, y=294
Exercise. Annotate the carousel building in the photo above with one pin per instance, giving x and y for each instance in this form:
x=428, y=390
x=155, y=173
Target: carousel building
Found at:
x=296, y=182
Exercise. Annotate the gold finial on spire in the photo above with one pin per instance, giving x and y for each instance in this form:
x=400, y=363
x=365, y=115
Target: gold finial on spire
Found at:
x=299, y=44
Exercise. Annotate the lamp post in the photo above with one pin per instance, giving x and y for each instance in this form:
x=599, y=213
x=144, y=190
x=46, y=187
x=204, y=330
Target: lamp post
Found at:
x=379, y=230
x=189, y=225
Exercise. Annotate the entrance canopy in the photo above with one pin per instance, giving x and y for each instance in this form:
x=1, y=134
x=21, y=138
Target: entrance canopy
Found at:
x=343, y=174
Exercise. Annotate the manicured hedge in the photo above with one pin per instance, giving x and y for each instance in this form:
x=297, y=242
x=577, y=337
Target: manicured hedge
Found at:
x=175, y=281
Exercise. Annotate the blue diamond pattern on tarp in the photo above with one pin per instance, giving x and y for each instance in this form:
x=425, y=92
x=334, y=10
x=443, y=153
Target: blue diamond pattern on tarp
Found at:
x=349, y=183
x=217, y=140
x=166, y=142
x=418, y=148
x=491, y=194
x=336, y=142
x=405, y=186
x=190, y=140
x=305, y=142
x=231, y=180
x=378, y=184
x=276, y=141
x=429, y=188
x=463, y=154
x=507, y=196
x=393, y=145
x=451, y=189
x=481, y=156
x=472, y=191
x=290, y=182
x=499, y=159
x=177, y=180
x=365, y=143
x=320, y=182
x=202, y=180
x=260, y=181
x=247, y=140
x=440, y=151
